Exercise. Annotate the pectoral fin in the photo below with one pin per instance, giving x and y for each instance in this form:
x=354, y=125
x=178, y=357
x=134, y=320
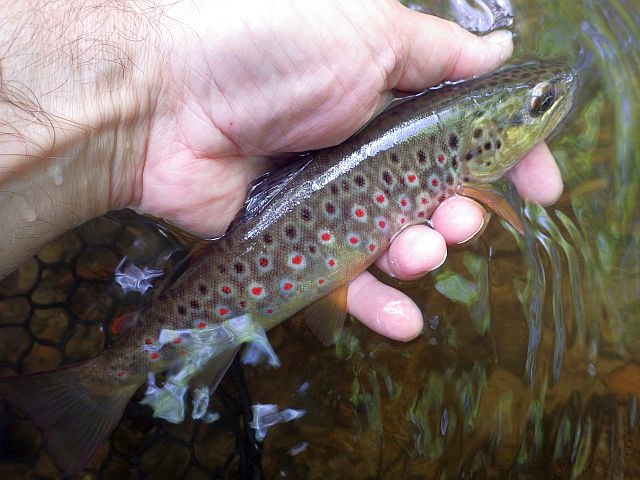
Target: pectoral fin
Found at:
x=493, y=200
x=326, y=316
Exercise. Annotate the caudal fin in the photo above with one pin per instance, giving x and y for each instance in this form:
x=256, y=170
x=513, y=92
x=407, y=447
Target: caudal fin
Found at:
x=74, y=416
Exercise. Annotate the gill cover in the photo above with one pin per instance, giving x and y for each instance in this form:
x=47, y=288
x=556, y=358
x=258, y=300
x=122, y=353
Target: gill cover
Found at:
x=512, y=110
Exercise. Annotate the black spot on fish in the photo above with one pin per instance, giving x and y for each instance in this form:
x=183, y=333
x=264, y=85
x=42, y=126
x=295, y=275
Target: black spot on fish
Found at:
x=394, y=158
x=449, y=179
x=487, y=146
x=291, y=232
x=477, y=133
x=359, y=180
x=498, y=144
x=386, y=176
x=421, y=156
x=182, y=310
x=453, y=141
x=432, y=139
x=334, y=189
x=454, y=162
x=345, y=186
x=330, y=208
x=203, y=289
x=305, y=214
x=312, y=249
x=239, y=268
x=194, y=304
x=222, y=269
x=468, y=156
x=267, y=238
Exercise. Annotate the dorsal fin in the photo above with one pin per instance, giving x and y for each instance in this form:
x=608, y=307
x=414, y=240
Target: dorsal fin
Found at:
x=326, y=316
x=265, y=187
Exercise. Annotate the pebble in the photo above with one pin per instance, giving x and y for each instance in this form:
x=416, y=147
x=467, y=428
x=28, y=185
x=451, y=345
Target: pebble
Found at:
x=49, y=323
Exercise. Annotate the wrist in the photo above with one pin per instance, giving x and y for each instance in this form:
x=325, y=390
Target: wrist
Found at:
x=74, y=94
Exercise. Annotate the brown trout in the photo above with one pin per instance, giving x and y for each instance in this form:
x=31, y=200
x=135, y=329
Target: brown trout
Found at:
x=302, y=238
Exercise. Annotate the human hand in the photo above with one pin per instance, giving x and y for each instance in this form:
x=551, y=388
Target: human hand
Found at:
x=242, y=83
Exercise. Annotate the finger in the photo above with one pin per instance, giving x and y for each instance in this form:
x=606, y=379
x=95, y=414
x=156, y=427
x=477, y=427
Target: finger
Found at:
x=383, y=309
x=417, y=250
x=458, y=219
x=537, y=176
x=435, y=50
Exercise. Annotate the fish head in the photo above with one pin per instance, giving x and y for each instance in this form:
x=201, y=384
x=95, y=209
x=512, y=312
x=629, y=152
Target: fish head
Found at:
x=513, y=110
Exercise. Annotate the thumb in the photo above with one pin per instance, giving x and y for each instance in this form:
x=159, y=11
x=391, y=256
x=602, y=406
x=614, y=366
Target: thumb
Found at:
x=434, y=50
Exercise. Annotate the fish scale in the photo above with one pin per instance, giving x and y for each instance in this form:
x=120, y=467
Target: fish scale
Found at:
x=301, y=240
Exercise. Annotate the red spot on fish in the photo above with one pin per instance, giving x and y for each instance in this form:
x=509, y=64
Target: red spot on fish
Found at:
x=411, y=178
x=382, y=224
x=264, y=262
x=353, y=240
x=321, y=281
x=243, y=304
x=153, y=356
x=424, y=201
x=421, y=214
x=403, y=202
x=325, y=237
x=269, y=310
x=435, y=182
x=331, y=262
x=441, y=158
x=223, y=312
x=403, y=220
x=380, y=198
x=372, y=247
x=148, y=341
x=287, y=286
x=177, y=340
x=120, y=373
x=297, y=260
x=226, y=289
x=441, y=199
x=359, y=213
x=201, y=325
x=256, y=291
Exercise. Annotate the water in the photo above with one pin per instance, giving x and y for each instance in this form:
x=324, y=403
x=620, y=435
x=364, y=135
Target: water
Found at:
x=528, y=364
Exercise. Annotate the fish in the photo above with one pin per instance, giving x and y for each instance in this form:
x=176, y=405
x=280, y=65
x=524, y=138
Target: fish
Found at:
x=304, y=233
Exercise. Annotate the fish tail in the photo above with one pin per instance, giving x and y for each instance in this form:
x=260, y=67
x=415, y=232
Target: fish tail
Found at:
x=74, y=414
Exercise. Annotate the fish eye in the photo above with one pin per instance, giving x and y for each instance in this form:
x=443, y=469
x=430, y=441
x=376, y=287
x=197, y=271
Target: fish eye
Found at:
x=541, y=98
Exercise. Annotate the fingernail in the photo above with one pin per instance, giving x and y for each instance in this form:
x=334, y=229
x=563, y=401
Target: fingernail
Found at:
x=485, y=220
x=499, y=36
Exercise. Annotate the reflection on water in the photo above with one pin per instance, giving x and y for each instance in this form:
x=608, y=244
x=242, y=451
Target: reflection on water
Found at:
x=529, y=362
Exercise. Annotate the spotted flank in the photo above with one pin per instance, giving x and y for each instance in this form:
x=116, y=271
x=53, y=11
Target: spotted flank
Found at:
x=304, y=234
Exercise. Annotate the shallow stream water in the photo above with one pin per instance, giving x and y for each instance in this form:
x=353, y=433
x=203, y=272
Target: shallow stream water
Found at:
x=529, y=365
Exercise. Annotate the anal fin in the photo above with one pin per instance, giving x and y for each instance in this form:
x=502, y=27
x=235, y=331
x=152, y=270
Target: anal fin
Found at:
x=74, y=416
x=326, y=316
